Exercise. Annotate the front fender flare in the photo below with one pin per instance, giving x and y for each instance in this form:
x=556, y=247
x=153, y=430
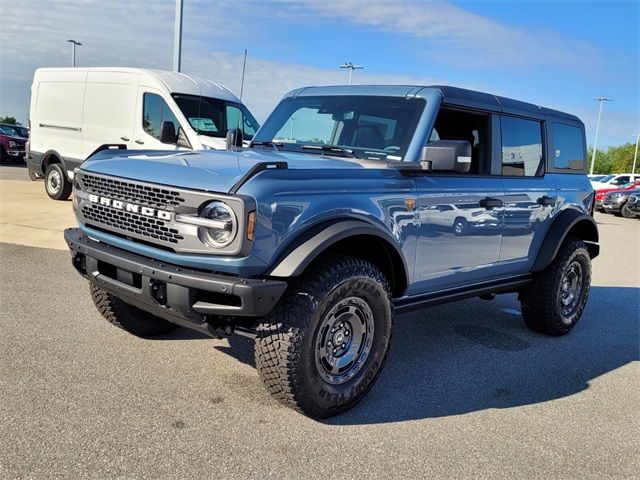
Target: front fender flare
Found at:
x=571, y=219
x=309, y=245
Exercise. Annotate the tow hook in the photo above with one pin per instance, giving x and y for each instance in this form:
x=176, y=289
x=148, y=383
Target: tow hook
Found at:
x=159, y=292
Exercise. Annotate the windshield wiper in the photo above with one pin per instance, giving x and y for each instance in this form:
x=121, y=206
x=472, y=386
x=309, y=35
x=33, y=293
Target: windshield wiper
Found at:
x=330, y=149
x=267, y=143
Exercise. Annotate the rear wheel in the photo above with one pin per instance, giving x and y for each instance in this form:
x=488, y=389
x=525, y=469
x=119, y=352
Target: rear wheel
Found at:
x=321, y=349
x=554, y=301
x=128, y=317
x=56, y=183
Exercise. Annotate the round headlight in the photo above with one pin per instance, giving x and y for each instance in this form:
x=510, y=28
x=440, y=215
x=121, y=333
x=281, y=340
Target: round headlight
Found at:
x=223, y=227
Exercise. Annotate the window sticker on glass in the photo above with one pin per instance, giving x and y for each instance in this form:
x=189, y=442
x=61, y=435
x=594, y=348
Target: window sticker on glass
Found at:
x=203, y=124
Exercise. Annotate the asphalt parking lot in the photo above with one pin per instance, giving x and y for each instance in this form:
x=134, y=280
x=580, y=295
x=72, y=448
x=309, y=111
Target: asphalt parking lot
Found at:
x=467, y=391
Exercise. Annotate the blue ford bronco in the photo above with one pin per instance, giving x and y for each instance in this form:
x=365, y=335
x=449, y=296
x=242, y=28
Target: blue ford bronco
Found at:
x=352, y=204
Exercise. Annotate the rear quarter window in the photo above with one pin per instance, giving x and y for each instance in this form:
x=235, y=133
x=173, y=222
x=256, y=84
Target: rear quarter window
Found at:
x=568, y=147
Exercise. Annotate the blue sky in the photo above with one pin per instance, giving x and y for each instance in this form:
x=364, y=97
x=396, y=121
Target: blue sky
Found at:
x=558, y=54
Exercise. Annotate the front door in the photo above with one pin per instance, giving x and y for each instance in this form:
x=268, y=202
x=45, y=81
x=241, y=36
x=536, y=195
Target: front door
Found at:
x=153, y=110
x=460, y=227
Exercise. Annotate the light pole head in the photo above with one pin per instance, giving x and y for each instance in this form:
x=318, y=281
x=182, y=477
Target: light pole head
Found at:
x=603, y=99
x=75, y=42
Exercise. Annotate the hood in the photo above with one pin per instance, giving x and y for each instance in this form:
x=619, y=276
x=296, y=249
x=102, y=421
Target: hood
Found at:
x=214, y=171
x=13, y=138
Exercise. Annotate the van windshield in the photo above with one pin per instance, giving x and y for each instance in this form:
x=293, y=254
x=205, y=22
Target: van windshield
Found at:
x=213, y=117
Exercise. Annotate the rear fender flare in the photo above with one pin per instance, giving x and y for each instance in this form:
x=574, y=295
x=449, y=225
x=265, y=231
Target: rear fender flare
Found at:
x=570, y=221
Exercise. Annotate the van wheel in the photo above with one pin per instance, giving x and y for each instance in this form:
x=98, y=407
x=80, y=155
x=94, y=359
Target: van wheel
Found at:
x=56, y=182
x=127, y=317
x=323, y=346
x=555, y=299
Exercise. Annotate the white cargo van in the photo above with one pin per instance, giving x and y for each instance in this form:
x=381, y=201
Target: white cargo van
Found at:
x=76, y=111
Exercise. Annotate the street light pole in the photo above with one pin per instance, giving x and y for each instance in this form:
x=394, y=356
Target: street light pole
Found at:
x=635, y=157
x=73, y=51
x=177, y=38
x=351, y=68
x=595, y=141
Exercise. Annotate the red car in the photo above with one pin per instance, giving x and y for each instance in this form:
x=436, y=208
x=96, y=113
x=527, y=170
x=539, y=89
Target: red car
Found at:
x=12, y=144
x=600, y=193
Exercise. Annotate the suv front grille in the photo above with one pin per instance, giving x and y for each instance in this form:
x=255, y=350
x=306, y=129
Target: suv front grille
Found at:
x=149, y=227
x=132, y=192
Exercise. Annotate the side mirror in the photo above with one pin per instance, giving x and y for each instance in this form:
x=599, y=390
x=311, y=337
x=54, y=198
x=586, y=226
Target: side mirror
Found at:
x=182, y=140
x=447, y=155
x=168, y=132
x=234, y=138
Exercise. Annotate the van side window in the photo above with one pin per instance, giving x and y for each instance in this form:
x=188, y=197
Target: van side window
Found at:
x=155, y=111
x=521, y=147
x=568, y=147
x=454, y=124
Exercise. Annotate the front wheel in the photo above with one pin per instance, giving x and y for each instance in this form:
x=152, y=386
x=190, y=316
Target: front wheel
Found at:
x=626, y=212
x=127, y=317
x=323, y=346
x=460, y=226
x=555, y=299
x=56, y=183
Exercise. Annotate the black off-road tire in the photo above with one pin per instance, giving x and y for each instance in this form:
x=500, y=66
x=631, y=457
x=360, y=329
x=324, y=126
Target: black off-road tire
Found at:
x=56, y=183
x=287, y=344
x=127, y=317
x=541, y=300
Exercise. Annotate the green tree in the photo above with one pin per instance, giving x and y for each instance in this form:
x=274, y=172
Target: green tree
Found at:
x=9, y=121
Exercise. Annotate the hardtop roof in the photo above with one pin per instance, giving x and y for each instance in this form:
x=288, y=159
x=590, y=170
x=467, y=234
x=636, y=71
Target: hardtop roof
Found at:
x=450, y=95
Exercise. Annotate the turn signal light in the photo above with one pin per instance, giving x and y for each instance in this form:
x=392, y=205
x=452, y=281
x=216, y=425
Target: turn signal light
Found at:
x=251, y=225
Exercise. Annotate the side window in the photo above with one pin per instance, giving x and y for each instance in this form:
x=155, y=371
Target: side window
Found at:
x=248, y=130
x=473, y=127
x=155, y=111
x=521, y=147
x=568, y=147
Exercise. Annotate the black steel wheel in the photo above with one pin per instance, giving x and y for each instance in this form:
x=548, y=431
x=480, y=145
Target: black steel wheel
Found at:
x=555, y=299
x=323, y=346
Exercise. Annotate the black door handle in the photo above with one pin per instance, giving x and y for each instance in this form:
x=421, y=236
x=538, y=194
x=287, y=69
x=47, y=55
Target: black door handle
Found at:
x=490, y=203
x=546, y=201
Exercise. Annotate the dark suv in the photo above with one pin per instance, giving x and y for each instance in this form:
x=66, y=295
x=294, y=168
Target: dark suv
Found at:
x=12, y=142
x=351, y=205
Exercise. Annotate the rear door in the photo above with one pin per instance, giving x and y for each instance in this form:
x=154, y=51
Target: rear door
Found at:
x=529, y=198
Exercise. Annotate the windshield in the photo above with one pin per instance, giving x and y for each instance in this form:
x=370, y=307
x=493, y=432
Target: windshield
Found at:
x=606, y=179
x=213, y=117
x=365, y=126
x=15, y=130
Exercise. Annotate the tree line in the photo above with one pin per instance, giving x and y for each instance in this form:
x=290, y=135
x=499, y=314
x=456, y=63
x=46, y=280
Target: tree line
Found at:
x=615, y=159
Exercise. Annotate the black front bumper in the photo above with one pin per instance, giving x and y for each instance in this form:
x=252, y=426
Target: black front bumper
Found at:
x=187, y=297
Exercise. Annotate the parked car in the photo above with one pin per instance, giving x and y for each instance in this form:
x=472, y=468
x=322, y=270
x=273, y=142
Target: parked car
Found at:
x=12, y=145
x=77, y=111
x=615, y=180
x=600, y=193
x=310, y=244
x=616, y=201
x=633, y=205
x=596, y=178
x=15, y=130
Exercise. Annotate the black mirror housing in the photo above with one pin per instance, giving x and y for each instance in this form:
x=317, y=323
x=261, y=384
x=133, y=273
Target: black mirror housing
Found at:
x=234, y=138
x=168, y=132
x=447, y=155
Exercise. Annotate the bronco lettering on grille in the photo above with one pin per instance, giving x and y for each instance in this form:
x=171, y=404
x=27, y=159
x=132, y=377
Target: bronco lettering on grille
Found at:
x=130, y=207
